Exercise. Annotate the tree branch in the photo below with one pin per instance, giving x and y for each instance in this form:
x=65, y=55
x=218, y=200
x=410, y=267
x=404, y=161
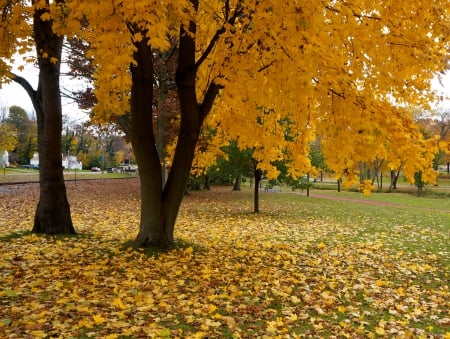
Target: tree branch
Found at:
x=25, y=85
x=230, y=21
x=208, y=101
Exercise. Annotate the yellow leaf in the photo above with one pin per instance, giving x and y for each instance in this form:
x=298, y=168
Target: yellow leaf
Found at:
x=82, y=309
x=341, y=308
x=321, y=245
x=46, y=16
x=118, y=303
x=380, y=330
x=98, y=319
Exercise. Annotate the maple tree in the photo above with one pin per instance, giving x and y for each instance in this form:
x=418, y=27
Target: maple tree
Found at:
x=26, y=25
x=344, y=71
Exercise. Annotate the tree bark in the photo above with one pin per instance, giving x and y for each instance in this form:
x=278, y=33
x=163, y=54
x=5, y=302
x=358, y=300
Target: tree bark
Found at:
x=237, y=183
x=140, y=129
x=206, y=183
x=258, y=177
x=394, y=179
x=53, y=211
x=160, y=205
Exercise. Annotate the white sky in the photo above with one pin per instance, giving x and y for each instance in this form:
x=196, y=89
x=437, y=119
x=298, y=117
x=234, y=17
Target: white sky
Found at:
x=13, y=94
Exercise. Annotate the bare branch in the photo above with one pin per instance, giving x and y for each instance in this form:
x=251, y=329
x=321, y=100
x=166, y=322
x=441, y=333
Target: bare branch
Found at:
x=25, y=84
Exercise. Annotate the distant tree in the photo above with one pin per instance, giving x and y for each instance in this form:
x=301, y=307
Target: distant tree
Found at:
x=234, y=164
x=8, y=137
x=26, y=134
x=118, y=157
x=438, y=124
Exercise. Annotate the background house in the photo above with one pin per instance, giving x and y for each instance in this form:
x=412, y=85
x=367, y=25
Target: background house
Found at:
x=34, y=161
x=67, y=162
x=4, y=159
x=71, y=162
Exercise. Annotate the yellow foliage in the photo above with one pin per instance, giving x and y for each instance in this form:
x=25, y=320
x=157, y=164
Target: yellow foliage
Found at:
x=341, y=71
x=367, y=187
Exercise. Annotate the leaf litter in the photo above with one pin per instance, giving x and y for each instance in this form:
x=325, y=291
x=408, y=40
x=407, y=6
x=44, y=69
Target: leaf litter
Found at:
x=238, y=275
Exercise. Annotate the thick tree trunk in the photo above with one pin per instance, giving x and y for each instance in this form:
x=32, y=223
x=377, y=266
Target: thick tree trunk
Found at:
x=160, y=206
x=53, y=211
x=152, y=228
x=237, y=183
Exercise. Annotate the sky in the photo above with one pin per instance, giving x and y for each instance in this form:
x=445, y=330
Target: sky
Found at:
x=14, y=95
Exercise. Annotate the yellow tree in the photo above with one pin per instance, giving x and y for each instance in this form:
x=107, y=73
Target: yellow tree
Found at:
x=338, y=69
x=8, y=137
x=27, y=25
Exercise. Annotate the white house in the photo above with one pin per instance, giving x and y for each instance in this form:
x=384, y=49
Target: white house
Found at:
x=70, y=162
x=4, y=159
x=34, y=161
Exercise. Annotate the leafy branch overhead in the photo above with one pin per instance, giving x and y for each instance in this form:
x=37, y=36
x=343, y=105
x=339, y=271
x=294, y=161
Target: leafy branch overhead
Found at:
x=326, y=66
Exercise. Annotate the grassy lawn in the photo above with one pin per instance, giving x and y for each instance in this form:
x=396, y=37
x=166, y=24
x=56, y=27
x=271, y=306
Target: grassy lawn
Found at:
x=429, y=200
x=304, y=267
x=9, y=175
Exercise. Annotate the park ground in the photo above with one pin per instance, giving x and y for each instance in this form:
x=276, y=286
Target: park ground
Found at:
x=327, y=265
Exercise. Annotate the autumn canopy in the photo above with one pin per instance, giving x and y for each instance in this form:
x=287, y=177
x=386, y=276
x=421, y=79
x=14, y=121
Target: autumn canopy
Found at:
x=273, y=75
x=348, y=72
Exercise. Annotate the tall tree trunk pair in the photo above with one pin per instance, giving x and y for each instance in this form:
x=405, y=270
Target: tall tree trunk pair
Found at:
x=394, y=179
x=160, y=203
x=52, y=214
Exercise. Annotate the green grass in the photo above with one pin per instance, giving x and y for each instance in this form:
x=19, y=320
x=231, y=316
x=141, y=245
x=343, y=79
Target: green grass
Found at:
x=32, y=175
x=410, y=200
x=403, y=227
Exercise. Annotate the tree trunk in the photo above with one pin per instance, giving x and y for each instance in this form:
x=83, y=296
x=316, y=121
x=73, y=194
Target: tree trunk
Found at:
x=206, y=183
x=152, y=228
x=159, y=207
x=258, y=177
x=394, y=179
x=53, y=211
x=237, y=183
x=307, y=184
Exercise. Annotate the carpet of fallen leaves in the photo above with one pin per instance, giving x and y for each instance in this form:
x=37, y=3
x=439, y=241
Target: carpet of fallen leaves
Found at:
x=238, y=275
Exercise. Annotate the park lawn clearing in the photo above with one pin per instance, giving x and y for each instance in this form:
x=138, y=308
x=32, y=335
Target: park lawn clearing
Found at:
x=304, y=267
